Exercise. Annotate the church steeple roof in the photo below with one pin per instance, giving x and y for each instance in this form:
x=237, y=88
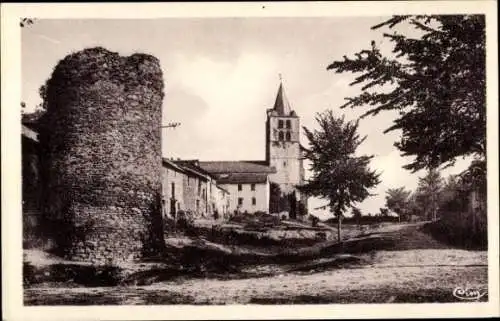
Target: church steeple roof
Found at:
x=281, y=105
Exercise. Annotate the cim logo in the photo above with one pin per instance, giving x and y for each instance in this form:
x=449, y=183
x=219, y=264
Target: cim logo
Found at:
x=468, y=294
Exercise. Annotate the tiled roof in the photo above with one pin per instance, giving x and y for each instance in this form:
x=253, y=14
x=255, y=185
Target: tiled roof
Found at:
x=242, y=178
x=191, y=166
x=237, y=167
x=222, y=188
x=195, y=173
x=29, y=133
x=171, y=164
x=32, y=120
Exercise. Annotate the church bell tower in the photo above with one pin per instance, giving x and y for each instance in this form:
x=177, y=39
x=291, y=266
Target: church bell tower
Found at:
x=283, y=151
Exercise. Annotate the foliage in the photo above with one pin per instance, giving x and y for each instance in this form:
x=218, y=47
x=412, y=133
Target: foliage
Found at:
x=462, y=206
x=452, y=195
x=453, y=204
x=397, y=201
x=384, y=212
x=302, y=209
x=338, y=175
x=274, y=197
x=356, y=214
x=39, y=109
x=278, y=201
x=435, y=81
x=475, y=176
x=428, y=194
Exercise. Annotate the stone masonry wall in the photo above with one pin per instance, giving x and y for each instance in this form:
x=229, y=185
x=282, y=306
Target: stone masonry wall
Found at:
x=102, y=155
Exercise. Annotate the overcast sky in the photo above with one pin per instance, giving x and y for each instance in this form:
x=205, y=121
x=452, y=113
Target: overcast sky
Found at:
x=221, y=74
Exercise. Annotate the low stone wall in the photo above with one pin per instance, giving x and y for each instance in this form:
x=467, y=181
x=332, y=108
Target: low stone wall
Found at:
x=238, y=235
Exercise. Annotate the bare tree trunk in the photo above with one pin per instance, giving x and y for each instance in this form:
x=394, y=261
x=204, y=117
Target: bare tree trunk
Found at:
x=339, y=227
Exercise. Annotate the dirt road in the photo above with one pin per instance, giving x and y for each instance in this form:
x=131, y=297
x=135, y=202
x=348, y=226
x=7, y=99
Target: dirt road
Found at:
x=394, y=276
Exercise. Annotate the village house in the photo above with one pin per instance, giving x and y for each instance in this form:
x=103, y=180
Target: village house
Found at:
x=189, y=188
x=221, y=202
x=30, y=175
x=247, y=183
x=173, y=178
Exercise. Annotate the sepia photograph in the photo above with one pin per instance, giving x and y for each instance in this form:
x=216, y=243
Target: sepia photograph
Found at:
x=255, y=160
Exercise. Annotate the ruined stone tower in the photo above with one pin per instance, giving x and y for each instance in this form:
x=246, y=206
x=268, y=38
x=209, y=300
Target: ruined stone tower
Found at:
x=283, y=150
x=102, y=155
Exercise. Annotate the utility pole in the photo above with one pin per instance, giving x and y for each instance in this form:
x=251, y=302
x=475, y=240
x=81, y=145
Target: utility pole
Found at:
x=172, y=125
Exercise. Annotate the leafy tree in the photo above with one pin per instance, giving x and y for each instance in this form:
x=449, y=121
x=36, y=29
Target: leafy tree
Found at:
x=473, y=183
x=474, y=178
x=384, y=212
x=397, y=200
x=428, y=193
x=414, y=206
x=452, y=200
x=337, y=174
x=302, y=209
x=274, y=197
x=279, y=201
x=356, y=214
x=42, y=91
x=435, y=81
x=450, y=186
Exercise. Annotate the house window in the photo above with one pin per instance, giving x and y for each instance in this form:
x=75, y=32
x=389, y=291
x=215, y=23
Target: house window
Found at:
x=199, y=187
x=280, y=123
x=280, y=136
x=197, y=205
x=240, y=200
x=254, y=201
x=288, y=136
x=173, y=190
x=252, y=187
x=284, y=163
x=288, y=124
x=240, y=187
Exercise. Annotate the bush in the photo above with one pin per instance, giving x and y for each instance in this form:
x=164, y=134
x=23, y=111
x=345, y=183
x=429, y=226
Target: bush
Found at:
x=465, y=231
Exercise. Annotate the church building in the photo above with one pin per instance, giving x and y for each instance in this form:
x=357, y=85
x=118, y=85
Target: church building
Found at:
x=251, y=184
